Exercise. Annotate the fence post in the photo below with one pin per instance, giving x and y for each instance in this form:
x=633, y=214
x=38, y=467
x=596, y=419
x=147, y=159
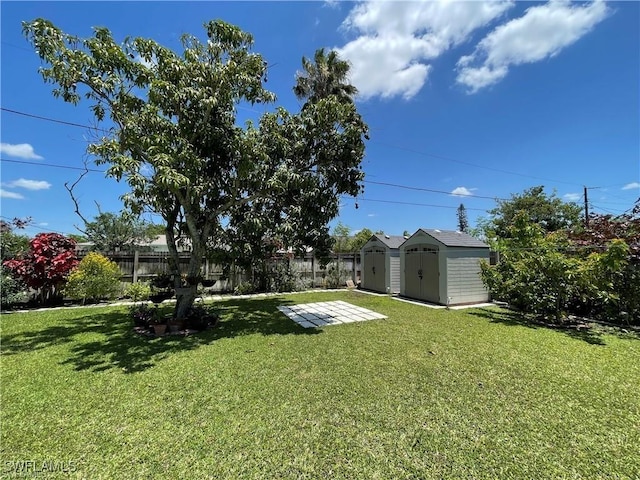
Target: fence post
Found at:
x=134, y=274
x=353, y=268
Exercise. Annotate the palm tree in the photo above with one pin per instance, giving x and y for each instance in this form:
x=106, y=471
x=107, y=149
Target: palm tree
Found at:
x=325, y=76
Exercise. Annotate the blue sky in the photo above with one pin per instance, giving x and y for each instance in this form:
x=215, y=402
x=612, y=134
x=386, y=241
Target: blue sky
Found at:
x=465, y=100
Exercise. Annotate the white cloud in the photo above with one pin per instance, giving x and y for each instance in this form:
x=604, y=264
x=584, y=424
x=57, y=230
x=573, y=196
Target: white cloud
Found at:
x=462, y=191
x=395, y=39
x=20, y=150
x=7, y=194
x=631, y=186
x=43, y=224
x=542, y=32
x=372, y=215
x=29, y=184
x=572, y=197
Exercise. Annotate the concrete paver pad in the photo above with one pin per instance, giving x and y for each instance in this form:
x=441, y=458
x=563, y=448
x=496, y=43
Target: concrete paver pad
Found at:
x=321, y=314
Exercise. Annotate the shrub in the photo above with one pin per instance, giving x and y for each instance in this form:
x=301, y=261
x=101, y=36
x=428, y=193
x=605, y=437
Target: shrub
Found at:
x=244, y=288
x=285, y=278
x=46, y=265
x=137, y=291
x=94, y=278
x=200, y=317
x=12, y=291
x=337, y=275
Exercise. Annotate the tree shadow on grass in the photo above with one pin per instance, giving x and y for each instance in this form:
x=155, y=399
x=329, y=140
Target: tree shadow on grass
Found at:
x=105, y=341
x=509, y=317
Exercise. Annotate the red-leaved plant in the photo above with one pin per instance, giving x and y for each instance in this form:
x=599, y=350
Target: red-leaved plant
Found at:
x=45, y=267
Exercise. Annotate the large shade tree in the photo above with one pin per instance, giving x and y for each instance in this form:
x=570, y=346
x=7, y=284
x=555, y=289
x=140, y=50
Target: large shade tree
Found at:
x=174, y=138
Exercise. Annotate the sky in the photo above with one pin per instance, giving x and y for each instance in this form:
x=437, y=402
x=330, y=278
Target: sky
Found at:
x=467, y=102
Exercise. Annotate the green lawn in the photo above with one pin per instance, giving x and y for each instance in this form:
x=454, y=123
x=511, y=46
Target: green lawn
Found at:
x=424, y=394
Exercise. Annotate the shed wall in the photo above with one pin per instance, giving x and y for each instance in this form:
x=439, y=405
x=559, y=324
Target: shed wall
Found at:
x=394, y=271
x=464, y=284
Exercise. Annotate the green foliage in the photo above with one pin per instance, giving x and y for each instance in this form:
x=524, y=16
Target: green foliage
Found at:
x=145, y=315
x=552, y=275
x=284, y=277
x=325, y=76
x=137, y=291
x=547, y=211
x=336, y=275
x=124, y=232
x=12, y=290
x=359, y=239
x=96, y=277
x=175, y=139
x=341, y=237
x=12, y=245
x=244, y=288
x=463, y=222
x=534, y=273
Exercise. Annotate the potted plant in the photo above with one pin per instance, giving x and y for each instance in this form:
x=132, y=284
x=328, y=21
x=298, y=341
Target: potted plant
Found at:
x=146, y=317
x=159, y=326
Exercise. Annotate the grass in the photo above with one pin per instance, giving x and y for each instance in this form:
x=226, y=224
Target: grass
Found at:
x=424, y=394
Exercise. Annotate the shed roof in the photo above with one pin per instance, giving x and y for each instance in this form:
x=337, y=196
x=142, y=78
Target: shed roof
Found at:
x=452, y=238
x=391, y=241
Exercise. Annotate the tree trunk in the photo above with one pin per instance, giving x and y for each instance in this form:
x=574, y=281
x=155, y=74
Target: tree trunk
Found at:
x=185, y=301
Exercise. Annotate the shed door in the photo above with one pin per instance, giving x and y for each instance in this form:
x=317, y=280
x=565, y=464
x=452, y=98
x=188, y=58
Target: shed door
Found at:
x=431, y=275
x=422, y=276
x=374, y=265
x=379, y=270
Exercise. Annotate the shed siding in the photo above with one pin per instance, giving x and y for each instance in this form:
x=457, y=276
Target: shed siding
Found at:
x=394, y=273
x=463, y=275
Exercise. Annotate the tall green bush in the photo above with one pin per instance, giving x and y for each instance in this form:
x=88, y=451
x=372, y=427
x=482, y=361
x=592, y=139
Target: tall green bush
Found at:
x=12, y=290
x=96, y=277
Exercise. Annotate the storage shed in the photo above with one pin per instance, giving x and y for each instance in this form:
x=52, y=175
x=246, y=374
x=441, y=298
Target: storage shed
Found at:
x=381, y=263
x=443, y=266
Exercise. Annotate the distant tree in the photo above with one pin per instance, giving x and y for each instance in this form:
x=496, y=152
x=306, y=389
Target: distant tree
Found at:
x=46, y=265
x=325, y=76
x=110, y=232
x=406, y=233
x=463, y=223
x=379, y=232
x=359, y=239
x=547, y=211
x=342, y=238
x=78, y=238
x=11, y=243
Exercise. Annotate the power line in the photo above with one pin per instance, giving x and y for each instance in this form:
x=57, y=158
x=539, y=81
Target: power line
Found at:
x=54, y=120
x=440, y=157
x=409, y=203
x=69, y=167
x=431, y=190
x=449, y=159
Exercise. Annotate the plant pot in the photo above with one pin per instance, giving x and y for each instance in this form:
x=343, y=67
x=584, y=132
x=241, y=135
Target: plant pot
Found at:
x=160, y=329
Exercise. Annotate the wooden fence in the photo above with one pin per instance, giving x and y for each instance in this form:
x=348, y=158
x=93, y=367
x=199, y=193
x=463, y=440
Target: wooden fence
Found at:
x=143, y=266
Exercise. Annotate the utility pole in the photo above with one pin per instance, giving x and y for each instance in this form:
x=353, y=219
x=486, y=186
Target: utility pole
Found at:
x=586, y=208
